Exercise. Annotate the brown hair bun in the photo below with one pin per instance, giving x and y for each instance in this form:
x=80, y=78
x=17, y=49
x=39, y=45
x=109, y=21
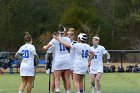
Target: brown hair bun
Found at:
x=27, y=37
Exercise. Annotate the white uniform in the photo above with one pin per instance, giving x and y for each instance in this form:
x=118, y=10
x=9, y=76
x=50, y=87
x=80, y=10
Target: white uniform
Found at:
x=72, y=54
x=62, y=55
x=27, y=64
x=81, y=58
x=97, y=62
x=52, y=50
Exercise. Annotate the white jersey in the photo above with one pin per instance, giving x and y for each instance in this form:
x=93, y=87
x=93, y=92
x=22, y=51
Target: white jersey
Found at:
x=81, y=57
x=27, y=51
x=62, y=55
x=98, y=55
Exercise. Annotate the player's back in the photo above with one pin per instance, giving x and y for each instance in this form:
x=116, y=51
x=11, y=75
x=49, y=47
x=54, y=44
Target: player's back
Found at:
x=27, y=55
x=61, y=52
x=81, y=52
x=62, y=55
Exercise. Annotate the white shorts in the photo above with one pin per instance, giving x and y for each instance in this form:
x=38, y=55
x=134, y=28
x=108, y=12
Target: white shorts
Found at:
x=72, y=67
x=27, y=71
x=99, y=69
x=80, y=70
x=62, y=65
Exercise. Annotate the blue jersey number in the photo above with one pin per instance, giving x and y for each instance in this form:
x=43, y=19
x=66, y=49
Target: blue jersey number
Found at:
x=95, y=56
x=25, y=53
x=84, y=53
x=62, y=48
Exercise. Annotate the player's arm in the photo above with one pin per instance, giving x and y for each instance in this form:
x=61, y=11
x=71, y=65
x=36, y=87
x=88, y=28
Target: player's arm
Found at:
x=105, y=52
x=61, y=41
x=18, y=55
x=90, y=57
x=36, y=58
x=46, y=47
x=108, y=57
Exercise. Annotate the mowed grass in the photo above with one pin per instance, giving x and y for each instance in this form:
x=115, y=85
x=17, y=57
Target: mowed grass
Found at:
x=111, y=83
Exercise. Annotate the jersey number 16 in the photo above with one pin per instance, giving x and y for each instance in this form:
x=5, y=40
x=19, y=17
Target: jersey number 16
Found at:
x=84, y=53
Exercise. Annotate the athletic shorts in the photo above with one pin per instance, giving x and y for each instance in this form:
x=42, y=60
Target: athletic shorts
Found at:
x=80, y=70
x=99, y=69
x=27, y=71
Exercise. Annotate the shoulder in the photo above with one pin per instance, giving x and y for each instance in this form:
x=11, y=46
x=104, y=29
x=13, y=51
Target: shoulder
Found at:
x=53, y=41
x=87, y=45
x=101, y=47
x=65, y=38
x=74, y=42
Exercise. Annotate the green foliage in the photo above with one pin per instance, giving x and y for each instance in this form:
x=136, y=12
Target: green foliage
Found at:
x=115, y=21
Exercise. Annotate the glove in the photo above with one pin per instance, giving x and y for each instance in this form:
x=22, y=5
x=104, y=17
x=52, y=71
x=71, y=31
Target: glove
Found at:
x=48, y=65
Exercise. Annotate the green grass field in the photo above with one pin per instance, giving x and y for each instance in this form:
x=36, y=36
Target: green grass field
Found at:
x=111, y=83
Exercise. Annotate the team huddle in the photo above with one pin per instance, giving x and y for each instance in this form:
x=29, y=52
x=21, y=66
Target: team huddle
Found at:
x=70, y=58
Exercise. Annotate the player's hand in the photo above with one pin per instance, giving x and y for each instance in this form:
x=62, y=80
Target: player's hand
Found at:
x=44, y=47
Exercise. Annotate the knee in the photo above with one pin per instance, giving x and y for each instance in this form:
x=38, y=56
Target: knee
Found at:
x=57, y=78
x=92, y=79
x=98, y=79
x=24, y=82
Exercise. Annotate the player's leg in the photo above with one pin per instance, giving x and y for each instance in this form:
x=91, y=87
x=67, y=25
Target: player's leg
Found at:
x=71, y=72
x=76, y=79
x=98, y=84
x=29, y=83
x=64, y=81
x=81, y=83
x=92, y=81
x=23, y=84
x=53, y=83
x=67, y=80
x=57, y=75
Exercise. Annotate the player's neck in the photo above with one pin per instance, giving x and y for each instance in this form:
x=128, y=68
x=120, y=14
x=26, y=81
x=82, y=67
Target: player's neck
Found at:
x=95, y=46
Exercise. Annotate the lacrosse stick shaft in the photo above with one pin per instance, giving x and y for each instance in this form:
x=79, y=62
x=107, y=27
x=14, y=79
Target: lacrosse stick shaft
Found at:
x=84, y=82
x=49, y=80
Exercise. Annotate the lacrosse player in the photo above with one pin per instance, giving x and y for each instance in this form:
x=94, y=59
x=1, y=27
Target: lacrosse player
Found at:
x=96, y=64
x=82, y=51
x=62, y=60
x=49, y=58
x=70, y=34
x=28, y=54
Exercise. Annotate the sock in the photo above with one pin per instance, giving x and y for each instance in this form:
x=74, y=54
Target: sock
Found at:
x=94, y=90
x=57, y=90
x=67, y=91
x=77, y=92
x=19, y=92
x=98, y=91
x=81, y=90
